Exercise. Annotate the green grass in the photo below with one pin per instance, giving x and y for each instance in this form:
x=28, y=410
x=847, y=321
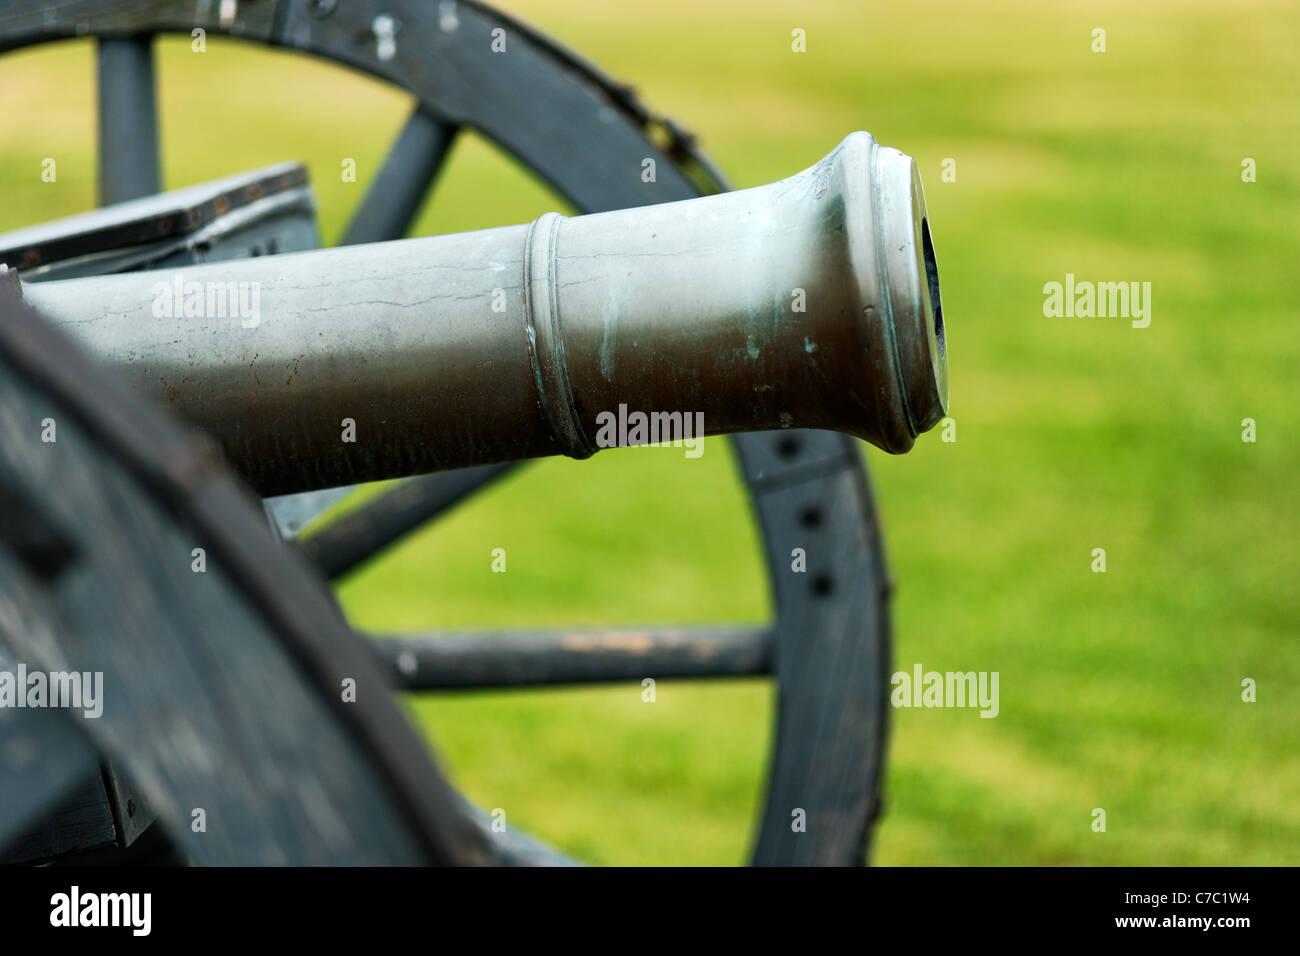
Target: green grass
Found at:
x=1119, y=691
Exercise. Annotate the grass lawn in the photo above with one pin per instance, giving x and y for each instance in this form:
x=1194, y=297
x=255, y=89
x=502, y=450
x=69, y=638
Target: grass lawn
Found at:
x=1119, y=690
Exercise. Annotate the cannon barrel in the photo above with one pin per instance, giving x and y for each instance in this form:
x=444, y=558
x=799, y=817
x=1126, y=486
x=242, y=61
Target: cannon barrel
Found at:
x=810, y=302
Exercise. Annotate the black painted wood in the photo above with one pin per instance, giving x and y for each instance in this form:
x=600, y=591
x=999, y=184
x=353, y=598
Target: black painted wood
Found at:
x=832, y=650
x=25, y=22
x=532, y=658
x=398, y=189
x=43, y=759
x=132, y=811
x=128, y=120
x=222, y=689
x=354, y=538
x=453, y=70
x=80, y=823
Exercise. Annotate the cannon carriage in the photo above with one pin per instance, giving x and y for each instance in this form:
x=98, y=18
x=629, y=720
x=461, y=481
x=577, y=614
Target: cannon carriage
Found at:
x=454, y=358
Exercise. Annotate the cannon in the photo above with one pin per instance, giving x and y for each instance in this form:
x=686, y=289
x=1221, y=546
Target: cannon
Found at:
x=811, y=303
x=512, y=343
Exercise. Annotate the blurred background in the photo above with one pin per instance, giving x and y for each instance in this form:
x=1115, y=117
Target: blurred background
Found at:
x=1119, y=690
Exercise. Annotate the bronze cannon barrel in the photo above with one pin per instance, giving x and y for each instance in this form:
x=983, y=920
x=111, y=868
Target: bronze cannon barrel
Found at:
x=811, y=302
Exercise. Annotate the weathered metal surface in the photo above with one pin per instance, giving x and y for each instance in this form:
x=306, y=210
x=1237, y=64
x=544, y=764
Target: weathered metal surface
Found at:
x=532, y=658
x=392, y=202
x=803, y=303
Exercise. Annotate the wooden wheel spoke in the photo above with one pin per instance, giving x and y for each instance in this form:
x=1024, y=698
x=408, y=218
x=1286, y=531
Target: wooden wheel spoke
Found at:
x=523, y=659
x=406, y=176
x=360, y=535
x=128, y=120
